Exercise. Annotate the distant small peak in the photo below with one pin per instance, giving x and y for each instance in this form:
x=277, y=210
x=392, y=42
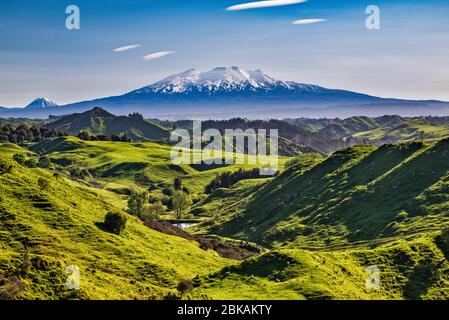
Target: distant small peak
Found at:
x=41, y=103
x=99, y=112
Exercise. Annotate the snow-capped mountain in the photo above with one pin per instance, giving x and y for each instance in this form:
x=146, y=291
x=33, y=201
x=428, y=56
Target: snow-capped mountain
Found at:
x=40, y=103
x=222, y=80
x=227, y=92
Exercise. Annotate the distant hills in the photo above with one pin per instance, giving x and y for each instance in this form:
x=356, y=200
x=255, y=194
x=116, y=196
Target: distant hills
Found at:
x=100, y=122
x=300, y=135
x=378, y=130
x=227, y=92
x=326, y=136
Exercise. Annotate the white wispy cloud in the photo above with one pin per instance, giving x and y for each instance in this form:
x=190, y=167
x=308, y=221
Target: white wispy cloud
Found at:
x=263, y=4
x=126, y=48
x=157, y=55
x=308, y=21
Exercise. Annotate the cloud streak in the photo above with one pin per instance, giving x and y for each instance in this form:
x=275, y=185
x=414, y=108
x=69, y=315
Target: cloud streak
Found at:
x=263, y=4
x=157, y=55
x=126, y=48
x=308, y=21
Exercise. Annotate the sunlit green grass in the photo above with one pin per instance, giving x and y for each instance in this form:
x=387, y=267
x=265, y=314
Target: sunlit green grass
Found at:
x=60, y=227
x=146, y=161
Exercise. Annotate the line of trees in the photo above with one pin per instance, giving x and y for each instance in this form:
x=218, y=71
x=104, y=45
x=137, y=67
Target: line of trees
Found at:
x=86, y=136
x=25, y=133
x=228, y=179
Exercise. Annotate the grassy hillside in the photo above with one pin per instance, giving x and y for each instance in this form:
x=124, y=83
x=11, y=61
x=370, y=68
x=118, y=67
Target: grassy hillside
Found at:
x=408, y=270
x=15, y=122
x=322, y=222
x=361, y=194
x=58, y=222
x=376, y=131
x=100, y=122
x=121, y=167
x=408, y=130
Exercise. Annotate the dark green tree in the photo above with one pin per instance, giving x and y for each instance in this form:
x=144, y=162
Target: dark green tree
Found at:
x=19, y=158
x=115, y=222
x=185, y=286
x=180, y=202
x=137, y=202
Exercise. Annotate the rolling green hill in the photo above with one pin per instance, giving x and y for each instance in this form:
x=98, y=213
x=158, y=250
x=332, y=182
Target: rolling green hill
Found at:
x=100, y=122
x=376, y=131
x=358, y=195
x=322, y=222
x=57, y=223
x=122, y=167
x=413, y=270
x=329, y=220
x=406, y=131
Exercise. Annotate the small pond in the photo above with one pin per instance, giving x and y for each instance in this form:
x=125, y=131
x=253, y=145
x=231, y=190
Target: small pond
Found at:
x=184, y=225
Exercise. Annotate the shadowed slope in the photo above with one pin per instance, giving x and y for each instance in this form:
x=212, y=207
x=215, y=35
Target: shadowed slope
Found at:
x=358, y=194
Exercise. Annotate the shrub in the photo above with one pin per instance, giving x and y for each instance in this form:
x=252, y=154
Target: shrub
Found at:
x=11, y=288
x=5, y=168
x=185, y=286
x=30, y=163
x=43, y=183
x=153, y=211
x=19, y=158
x=137, y=202
x=115, y=222
x=44, y=162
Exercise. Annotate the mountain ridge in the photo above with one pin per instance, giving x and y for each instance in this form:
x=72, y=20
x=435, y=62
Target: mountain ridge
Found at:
x=225, y=92
x=100, y=122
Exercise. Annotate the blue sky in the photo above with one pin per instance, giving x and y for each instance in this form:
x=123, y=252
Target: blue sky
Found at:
x=406, y=58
